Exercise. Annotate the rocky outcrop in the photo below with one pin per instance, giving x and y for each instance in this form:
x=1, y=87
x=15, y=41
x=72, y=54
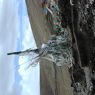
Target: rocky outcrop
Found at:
x=79, y=16
x=54, y=80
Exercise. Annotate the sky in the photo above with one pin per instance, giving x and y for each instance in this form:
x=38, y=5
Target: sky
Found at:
x=15, y=35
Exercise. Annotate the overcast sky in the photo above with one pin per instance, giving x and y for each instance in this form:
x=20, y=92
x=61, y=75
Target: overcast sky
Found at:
x=15, y=35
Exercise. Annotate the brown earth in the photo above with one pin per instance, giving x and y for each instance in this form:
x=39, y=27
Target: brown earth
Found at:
x=53, y=80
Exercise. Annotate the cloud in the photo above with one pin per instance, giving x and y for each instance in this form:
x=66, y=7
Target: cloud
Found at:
x=1, y=1
x=30, y=77
x=8, y=42
x=1, y=49
x=9, y=34
x=30, y=81
x=28, y=41
x=16, y=90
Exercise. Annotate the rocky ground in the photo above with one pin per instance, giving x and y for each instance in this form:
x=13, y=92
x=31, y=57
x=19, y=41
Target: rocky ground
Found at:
x=80, y=18
x=54, y=80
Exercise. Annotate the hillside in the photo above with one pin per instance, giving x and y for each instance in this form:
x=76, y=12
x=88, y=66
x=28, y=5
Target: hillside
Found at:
x=78, y=18
x=54, y=80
